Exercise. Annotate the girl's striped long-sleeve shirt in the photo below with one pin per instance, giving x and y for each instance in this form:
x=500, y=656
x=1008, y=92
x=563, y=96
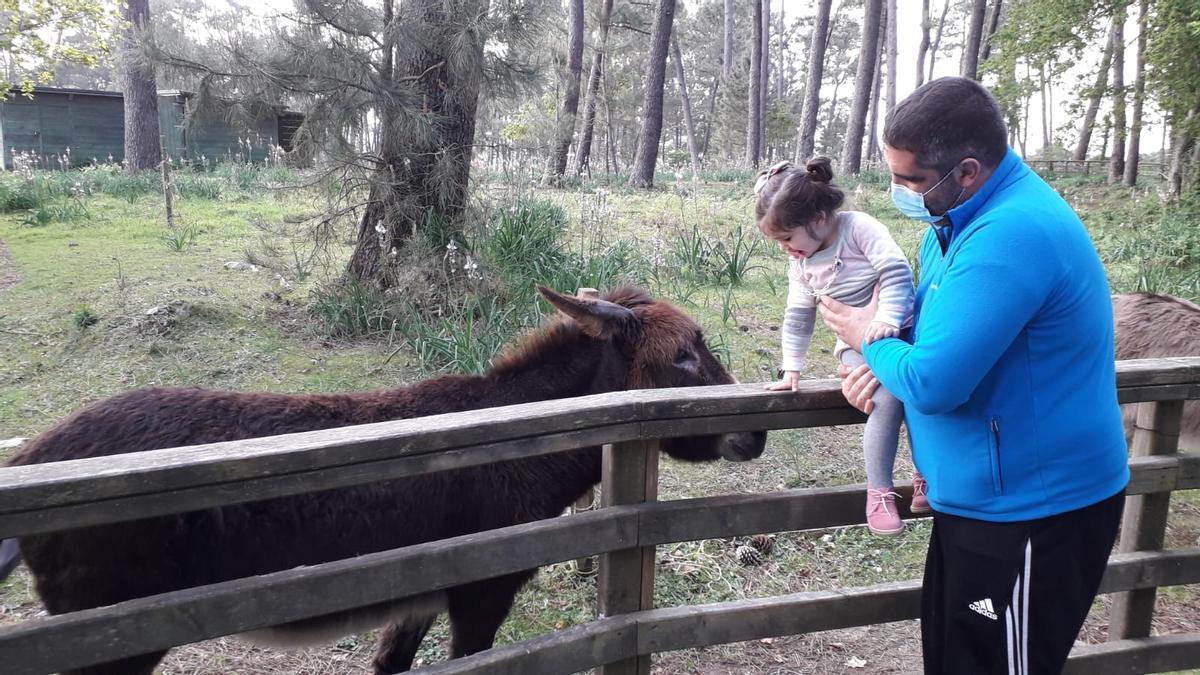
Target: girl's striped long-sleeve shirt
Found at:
x=863, y=254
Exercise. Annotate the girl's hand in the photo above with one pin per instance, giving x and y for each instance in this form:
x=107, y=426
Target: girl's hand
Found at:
x=878, y=330
x=790, y=381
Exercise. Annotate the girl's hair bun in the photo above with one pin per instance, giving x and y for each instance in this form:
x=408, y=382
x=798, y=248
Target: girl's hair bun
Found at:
x=820, y=169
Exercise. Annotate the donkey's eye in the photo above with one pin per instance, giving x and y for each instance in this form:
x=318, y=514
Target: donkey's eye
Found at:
x=683, y=356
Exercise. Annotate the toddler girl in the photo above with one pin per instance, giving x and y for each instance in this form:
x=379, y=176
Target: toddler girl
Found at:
x=845, y=255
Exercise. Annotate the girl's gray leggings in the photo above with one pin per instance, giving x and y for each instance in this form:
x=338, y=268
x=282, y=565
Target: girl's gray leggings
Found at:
x=882, y=432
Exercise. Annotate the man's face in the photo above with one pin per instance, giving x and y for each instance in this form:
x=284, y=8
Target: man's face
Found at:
x=906, y=172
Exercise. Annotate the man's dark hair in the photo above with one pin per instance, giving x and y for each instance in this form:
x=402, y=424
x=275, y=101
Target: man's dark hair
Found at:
x=946, y=120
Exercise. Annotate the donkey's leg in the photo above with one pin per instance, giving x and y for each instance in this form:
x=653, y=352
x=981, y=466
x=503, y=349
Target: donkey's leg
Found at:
x=477, y=610
x=398, y=644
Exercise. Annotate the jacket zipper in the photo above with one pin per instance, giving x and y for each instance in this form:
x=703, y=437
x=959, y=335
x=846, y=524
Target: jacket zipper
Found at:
x=999, y=466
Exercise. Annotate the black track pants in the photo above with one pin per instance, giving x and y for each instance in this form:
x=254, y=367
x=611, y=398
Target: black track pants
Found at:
x=1009, y=598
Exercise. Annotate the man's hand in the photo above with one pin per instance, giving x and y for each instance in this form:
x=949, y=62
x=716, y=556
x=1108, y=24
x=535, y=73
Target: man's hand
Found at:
x=790, y=381
x=849, y=323
x=858, y=386
x=879, y=330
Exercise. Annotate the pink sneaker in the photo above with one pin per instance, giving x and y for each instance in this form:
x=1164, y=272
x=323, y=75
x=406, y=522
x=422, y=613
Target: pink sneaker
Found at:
x=882, y=517
x=920, y=500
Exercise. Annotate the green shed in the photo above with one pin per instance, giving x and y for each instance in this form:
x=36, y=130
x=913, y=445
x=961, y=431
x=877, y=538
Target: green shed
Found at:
x=82, y=126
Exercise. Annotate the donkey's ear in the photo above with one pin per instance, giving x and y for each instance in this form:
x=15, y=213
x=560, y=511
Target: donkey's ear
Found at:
x=598, y=318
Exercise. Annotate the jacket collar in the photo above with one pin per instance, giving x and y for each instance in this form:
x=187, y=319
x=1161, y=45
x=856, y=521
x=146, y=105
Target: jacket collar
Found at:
x=1010, y=169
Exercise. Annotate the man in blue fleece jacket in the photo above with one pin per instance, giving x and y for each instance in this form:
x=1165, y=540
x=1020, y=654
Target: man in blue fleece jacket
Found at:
x=1009, y=389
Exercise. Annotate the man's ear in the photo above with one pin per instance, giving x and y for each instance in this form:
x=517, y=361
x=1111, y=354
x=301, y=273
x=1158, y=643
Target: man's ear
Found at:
x=597, y=318
x=970, y=173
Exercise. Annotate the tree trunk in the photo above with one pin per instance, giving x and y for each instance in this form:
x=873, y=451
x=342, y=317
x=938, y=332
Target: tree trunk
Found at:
x=1045, y=111
x=1132, y=157
x=970, y=57
x=727, y=50
x=643, y=169
x=584, y=153
x=781, y=90
x=422, y=179
x=1107, y=135
x=689, y=123
x=876, y=85
x=754, y=89
x=937, y=38
x=892, y=54
x=570, y=104
x=764, y=87
x=993, y=26
x=1183, y=151
x=867, y=57
x=806, y=137
x=1116, y=165
x=924, y=46
x=1089, y=116
x=708, y=117
x=142, y=142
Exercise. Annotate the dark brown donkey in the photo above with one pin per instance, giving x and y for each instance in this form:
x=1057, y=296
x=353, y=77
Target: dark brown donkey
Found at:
x=627, y=341
x=1151, y=326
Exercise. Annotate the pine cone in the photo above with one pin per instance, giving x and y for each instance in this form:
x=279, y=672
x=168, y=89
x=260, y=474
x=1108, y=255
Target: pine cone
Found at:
x=763, y=543
x=748, y=555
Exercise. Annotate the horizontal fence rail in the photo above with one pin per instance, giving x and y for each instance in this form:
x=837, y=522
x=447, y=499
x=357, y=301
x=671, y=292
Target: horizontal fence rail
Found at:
x=112, y=489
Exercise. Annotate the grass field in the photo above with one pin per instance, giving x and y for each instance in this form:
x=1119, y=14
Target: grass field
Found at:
x=98, y=297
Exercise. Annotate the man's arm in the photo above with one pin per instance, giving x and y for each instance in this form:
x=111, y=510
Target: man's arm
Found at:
x=997, y=282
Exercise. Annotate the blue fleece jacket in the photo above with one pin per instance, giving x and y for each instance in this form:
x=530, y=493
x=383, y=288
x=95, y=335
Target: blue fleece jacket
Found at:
x=1009, y=384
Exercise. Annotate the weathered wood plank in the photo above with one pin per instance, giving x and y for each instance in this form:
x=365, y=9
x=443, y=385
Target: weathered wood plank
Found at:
x=567, y=651
x=719, y=623
x=224, y=473
x=181, y=617
x=1144, y=522
x=1166, y=653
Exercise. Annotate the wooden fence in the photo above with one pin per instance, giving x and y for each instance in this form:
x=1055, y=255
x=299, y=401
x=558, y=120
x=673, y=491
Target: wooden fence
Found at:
x=625, y=531
x=1090, y=166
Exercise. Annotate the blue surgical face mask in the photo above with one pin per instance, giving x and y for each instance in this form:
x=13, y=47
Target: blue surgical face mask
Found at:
x=912, y=203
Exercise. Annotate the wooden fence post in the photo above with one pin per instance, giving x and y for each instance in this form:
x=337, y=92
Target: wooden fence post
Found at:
x=626, y=578
x=1144, y=523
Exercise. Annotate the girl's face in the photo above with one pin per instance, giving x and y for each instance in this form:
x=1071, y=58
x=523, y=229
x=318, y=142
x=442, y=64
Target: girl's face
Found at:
x=797, y=242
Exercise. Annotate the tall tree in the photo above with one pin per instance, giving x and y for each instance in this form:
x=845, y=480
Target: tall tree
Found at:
x=867, y=57
x=924, y=46
x=686, y=102
x=764, y=86
x=1116, y=165
x=876, y=84
x=806, y=135
x=142, y=144
x=642, y=174
x=754, y=89
x=1047, y=125
x=892, y=54
x=570, y=105
x=418, y=74
x=970, y=55
x=1097, y=93
x=993, y=25
x=727, y=48
x=937, y=38
x=583, y=154
x=1173, y=78
x=1133, y=157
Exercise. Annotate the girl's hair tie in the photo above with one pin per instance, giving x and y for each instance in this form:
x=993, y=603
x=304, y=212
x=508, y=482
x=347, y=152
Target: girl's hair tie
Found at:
x=765, y=175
